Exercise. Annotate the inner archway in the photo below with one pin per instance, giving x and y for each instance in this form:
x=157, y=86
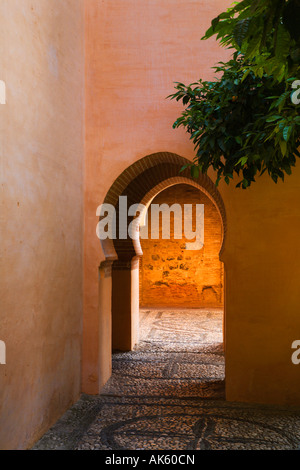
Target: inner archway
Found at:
x=176, y=273
x=181, y=291
x=119, y=274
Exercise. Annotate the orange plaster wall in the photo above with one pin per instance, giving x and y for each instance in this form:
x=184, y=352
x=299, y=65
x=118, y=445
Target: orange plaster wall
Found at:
x=134, y=52
x=262, y=262
x=41, y=145
x=171, y=275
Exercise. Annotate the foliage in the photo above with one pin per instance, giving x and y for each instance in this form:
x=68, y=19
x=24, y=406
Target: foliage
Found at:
x=245, y=122
x=266, y=32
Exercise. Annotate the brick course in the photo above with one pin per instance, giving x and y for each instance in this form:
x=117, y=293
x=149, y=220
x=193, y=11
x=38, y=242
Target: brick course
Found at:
x=170, y=275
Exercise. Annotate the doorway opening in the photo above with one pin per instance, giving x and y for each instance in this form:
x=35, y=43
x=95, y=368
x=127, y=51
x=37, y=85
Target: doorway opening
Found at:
x=176, y=273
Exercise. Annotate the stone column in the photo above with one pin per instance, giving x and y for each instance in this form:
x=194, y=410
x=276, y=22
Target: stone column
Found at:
x=125, y=304
x=105, y=322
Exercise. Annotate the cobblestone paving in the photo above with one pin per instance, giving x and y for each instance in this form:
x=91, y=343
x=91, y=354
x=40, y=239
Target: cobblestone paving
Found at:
x=168, y=394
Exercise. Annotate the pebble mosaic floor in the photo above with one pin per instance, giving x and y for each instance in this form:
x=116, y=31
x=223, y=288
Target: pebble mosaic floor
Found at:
x=168, y=394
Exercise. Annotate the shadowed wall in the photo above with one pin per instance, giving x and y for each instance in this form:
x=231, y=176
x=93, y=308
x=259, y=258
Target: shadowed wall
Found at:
x=41, y=61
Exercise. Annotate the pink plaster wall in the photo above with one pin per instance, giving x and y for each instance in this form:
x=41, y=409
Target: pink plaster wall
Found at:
x=41, y=145
x=135, y=50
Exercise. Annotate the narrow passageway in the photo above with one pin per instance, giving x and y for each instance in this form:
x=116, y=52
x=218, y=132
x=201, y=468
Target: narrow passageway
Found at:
x=180, y=354
x=168, y=394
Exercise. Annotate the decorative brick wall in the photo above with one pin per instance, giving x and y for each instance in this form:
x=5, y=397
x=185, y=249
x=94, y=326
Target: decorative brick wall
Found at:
x=172, y=276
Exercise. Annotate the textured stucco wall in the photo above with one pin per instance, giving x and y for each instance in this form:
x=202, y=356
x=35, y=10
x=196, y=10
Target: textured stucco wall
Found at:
x=171, y=275
x=135, y=51
x=41, y=142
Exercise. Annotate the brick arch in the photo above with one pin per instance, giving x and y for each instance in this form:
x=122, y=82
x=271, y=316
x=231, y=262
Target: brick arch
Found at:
x=119, y=273
x=142, y=181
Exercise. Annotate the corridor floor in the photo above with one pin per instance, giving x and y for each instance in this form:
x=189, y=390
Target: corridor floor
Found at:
x=168, y=394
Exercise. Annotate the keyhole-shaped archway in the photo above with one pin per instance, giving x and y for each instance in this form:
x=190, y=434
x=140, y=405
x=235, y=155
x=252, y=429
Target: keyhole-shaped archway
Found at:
x=119, y=273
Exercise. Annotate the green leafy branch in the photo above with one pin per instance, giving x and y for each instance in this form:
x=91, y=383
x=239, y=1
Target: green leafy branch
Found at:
x=245, y=123
x=239, y=126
